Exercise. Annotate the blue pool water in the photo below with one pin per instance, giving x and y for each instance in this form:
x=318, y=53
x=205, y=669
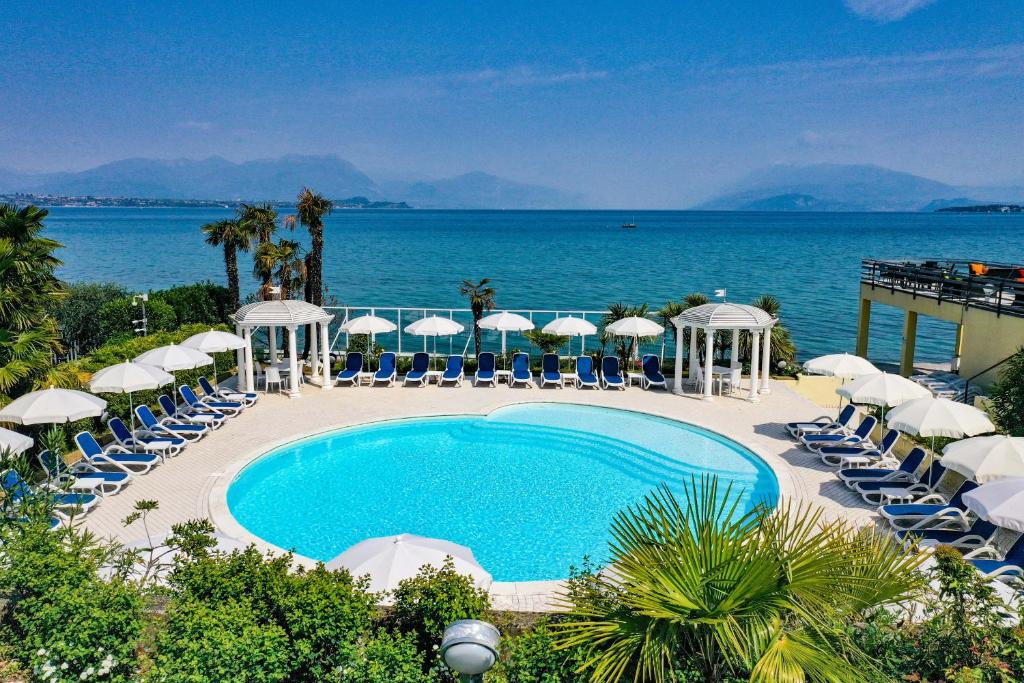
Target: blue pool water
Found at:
x=531, y=488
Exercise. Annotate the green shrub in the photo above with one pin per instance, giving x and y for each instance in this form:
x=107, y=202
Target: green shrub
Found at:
x=387, y=658
x=203, y=302
x=76, y=315
x=1008, y=396
x=531, y=657
x=115, y=317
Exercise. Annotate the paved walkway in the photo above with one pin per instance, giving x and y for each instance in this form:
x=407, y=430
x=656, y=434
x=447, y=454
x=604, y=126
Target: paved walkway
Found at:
x=194, y=484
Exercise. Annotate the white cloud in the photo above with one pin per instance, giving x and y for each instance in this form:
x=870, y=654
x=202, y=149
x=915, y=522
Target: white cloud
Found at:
x=195, y=125
x=885, y=10
x=520, y=76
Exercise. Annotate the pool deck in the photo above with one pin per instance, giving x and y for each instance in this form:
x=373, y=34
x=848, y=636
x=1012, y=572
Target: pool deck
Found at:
x=194, y=484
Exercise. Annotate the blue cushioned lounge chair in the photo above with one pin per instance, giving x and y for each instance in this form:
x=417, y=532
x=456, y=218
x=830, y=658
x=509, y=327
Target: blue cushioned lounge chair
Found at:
x=861, y=437
x=521, y=373
x=824, y=424
x=106, y=483
x=353, y=366
x=187, y=415
x=651, y=365
x=611, y=374
x=114, y=458
x=212, y=393
x=550, y=372
x=453, y=371
x=387, y=372
x=420, y=366
x=851, y=456
x=992, y=564
x=978, y=535
x=905, y=473
x=229, y=408
x=168, y=426
x=931, y=511
x=872, y=491
x=585, y=376
x=142, y=443
x=18, y=491
x=485, y=369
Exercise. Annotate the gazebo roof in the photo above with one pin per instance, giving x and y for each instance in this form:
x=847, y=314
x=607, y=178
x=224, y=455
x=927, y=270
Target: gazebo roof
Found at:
x=284, y=313
x=724, y=316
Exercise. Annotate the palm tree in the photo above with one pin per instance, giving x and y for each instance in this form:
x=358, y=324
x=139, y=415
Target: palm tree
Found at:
x=232, y=236
x=623, y=345
x=692, y=300
x=670, y=310
x=763, y=594
x=782, y=347
x=481, y=298
x=261, y=219
x=312, y=208
x=285, y=261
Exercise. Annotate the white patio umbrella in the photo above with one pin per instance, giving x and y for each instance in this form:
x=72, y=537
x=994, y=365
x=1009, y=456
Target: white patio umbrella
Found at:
x=127, y=377
x=843, y=365
x=506, y=322
x=934, y=417
x=174, y=357
x=571, y=326
x=635, y=327
x=434, y=326
x=52, y=406
x=390, y=559
x=214, y=341
x=14, y=442
x=986, y=458
x=371, y=325
x=882, y=390
x=1000, y=502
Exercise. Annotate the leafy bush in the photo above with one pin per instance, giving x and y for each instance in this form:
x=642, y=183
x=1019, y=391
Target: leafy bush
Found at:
x=1008, y=396
x=387, y=658
x=532, y=657
x=76, y=315
x=203, y=302
x=115, y=318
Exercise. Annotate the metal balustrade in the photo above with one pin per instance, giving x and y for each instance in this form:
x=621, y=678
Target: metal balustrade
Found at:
x=1000, y=289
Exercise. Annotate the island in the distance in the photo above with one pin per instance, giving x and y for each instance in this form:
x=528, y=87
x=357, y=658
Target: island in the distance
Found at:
x=139, y=202
x=983, y=208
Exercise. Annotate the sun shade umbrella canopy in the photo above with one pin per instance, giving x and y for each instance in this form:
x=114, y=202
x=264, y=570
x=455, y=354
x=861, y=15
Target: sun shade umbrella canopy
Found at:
x=635, y=327
x=882, y=389
x=939, y=417
x=390, y=559
x=14, y=442
x=506, y=322
x=127, y=377
x=986, y=458
x=51, y=406
x=214, y=341
x=174, y=357
x=571, y=326
x=844, y=365
x=1000, y=502
x=368, y=324
x=434, y=326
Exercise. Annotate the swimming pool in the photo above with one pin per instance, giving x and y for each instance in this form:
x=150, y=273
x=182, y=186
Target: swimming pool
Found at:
x=531, y=488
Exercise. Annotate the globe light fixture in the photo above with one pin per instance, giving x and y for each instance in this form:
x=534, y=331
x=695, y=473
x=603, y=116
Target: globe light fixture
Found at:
x=469, y=647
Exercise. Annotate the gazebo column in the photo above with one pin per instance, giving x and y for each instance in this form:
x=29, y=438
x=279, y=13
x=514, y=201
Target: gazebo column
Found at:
x=314, y=355
x=250, y=382
x=709, y=360
x=755, y=356
x=272, y=343
x=325, y=349
x=734, y=360
x=766, y=360
x=293, y=366
x=693, y=353
x=239, y=360
x=677, y=383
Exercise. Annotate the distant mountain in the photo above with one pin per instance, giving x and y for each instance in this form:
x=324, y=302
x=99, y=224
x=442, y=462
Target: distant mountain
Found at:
x=281, y=179
x=841, y=187
x=479, y=190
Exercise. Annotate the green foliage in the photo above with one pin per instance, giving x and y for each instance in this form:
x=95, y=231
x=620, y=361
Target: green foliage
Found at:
x=623, y=345
x=547, y=343
x=76, y=315
x=202, y=302
x=1008, y=396
x=533, y=656
x=115, y=317
x=387, y=658
x=426, y=603
x=481, y=298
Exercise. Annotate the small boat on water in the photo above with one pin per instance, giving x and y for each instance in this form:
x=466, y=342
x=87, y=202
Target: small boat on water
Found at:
x=631, y=225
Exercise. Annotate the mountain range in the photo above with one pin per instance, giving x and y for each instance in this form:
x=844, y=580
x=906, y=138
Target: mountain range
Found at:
x=280, y=180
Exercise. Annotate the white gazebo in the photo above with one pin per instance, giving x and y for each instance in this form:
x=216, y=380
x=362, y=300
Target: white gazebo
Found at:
x=289, y=314
x=720, y=317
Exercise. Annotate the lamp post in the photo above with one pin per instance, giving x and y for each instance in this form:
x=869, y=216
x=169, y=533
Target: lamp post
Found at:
x=469, y=647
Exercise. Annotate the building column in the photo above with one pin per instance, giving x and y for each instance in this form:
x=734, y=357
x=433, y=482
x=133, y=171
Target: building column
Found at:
x=909, y=342
x=272, y=343
x=250, y=381
x=755, y=356
x=325, y=349
x=766, y=360
x=677, y=384
x=239, y=360
x=293, y=366
x=314, y=355
x=734, y=358
x=693, y=352
x=709, y=360
x=863, y=327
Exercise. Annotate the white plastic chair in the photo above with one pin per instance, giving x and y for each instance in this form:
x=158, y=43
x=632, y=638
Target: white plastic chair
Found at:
x=260, y=376
x=273, y=376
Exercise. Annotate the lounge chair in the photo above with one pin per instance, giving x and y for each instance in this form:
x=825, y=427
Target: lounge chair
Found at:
x=585, y=376
x=485, y=369
x=143, y=443
x=651, y=366
x=931, y=511
x=993, y=564
x=872, y=491
x=550, y=370
x=852, y=456
x=453, y=371
x=19, y=491
x=905, y=473
x=420, y=366
x=521, y=373
x=186, y=415
x=114, y=457
x=978, y=535
x=168, y=426
x=861, y=437
x=213, y=393
x=824, y=424
x=229, y=408
x=95, y=480
x=353, y=366
x=611, y=374
x=387, y=372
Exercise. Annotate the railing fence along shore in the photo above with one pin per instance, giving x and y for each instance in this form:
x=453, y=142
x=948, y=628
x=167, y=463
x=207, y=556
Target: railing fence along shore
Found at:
x=405, y=344
x=996, y=287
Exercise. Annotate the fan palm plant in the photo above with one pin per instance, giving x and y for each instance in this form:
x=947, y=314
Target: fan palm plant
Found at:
x=665, y=314
x=233, y=236
x=762, y=594
x=312, y=208
x=285, y=261
x=782, y=347
x=261, y=221
x=624, y=346
x=481, y=298
x=692, y=300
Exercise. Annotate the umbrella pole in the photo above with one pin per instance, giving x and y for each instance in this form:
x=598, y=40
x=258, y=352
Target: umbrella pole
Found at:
x=503, y=349
x=131, y=411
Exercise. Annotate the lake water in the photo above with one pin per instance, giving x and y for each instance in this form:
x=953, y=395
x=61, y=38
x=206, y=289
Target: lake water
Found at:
x=572, y=259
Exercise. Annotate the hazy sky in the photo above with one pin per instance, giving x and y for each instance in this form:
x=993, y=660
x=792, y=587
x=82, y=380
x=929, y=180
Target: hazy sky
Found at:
x=636, y=104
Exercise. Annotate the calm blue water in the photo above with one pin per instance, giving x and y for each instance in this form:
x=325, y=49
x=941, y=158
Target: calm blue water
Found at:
x=507, y=485
x=573, y=259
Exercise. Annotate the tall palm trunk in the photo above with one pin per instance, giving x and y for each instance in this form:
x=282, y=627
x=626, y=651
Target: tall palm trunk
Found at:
x=316, y=264
x=231, y=265
x=478, y=313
